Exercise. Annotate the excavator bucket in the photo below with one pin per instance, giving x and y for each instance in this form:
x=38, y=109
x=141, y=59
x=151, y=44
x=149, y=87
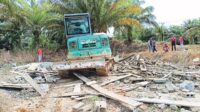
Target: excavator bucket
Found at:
x=101, y=66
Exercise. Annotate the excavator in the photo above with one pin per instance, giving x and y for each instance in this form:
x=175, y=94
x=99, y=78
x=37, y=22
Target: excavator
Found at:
x=86, y=50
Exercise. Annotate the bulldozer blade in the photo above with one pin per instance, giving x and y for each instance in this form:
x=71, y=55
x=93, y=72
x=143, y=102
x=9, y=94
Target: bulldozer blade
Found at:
x=101, y=66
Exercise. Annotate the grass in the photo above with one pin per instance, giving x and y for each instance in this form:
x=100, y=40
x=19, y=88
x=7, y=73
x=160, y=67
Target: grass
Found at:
x=17, y=56
x=180, y=56
x=26, y=56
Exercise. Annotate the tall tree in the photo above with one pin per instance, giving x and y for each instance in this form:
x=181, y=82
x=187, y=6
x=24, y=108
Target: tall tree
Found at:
x=37, y=16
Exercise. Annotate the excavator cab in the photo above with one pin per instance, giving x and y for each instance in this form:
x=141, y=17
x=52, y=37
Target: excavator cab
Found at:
x=86, y=50
x=77, y=24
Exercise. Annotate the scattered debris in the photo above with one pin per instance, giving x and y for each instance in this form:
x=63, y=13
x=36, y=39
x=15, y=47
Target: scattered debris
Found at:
x=170, y=86
x=109, y=94
x=146, y=82
x=32, y=83
x=77, y=107
x=101, y=104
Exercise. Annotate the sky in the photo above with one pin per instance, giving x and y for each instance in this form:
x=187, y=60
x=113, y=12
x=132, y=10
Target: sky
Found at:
x=174, y=12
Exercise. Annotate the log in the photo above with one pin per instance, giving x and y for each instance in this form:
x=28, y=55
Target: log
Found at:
x=124, y=100
x=169, y=102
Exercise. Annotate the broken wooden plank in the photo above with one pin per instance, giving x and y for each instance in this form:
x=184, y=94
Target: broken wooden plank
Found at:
x=139, y=84
x=32, y=83
x=127, y=57
x=68, y=85
x=84, y=97
x=167, y=75
x=169, y=102
x=115, y=79
x=75, y=94
x=77, y=89
x=15, y=86
x=124, y=100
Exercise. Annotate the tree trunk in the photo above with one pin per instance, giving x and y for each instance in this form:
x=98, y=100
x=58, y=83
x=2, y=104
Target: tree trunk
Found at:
x=36, y=34
x=130, y=36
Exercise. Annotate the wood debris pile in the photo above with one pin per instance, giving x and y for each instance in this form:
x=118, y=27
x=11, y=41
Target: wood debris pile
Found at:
x=134, y=82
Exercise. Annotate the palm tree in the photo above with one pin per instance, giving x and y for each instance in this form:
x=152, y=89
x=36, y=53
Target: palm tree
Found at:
x=37, y=17
x=10, y=20
x=146, y=17
x=192, y=30
x=104, y=13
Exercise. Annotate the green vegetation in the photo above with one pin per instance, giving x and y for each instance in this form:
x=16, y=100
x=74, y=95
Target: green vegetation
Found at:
x=26, y=24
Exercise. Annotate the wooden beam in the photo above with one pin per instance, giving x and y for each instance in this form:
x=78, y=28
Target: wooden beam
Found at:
x=74, y=94
x=115, y=79
x=32, y=83
x=124, y=100
x=15, y=86
x=169, y=102
x=139, y=84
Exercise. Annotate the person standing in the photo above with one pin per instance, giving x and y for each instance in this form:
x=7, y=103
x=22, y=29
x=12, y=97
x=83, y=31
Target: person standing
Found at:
x=181, y=41
x=173, y=42
x=150, y=45
x=39, y=51
x=154, y=45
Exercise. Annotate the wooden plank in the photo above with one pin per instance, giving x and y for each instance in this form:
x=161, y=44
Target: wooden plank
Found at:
x=74, y=94
x=124, y=100
x=68, y=85
x=139, y=84
x=170, y=102
x=77, y=89
x=32, y=83
x=115, y=79
x=126, y=57
x=15, y=86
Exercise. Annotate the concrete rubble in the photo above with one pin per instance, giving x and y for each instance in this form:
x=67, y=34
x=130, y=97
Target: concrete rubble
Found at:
x=150, y=82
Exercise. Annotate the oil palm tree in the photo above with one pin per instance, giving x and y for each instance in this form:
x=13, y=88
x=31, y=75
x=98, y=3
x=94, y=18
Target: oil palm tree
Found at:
x=192, y=30
x=104, y=13
x=10, y=21
x=37, y=17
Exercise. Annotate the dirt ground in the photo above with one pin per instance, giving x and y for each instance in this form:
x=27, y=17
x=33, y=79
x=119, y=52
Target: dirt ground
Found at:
x=11, y=101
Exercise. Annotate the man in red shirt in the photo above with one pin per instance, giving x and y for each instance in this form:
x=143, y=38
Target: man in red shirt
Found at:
x=173, y=41
x=39, y=51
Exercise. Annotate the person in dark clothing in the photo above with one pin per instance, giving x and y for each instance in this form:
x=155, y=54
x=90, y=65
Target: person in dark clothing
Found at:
x=154, y=45
x=150, y=47
x=173, y=41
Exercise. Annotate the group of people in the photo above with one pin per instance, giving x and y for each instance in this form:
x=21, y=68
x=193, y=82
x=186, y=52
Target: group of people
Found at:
x=173, y=40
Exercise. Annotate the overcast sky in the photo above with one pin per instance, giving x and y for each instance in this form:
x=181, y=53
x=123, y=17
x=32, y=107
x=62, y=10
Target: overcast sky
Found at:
x=174, y=12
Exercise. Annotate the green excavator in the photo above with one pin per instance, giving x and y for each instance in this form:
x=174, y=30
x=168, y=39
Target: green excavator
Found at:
x=86, y=50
